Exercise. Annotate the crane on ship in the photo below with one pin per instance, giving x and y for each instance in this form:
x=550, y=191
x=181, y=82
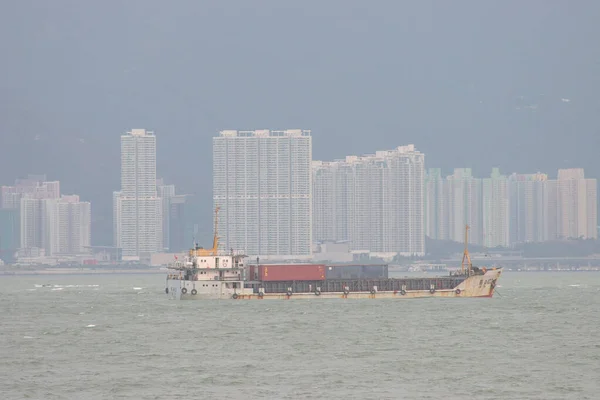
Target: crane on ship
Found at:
x=467, y=267
x=199, y=251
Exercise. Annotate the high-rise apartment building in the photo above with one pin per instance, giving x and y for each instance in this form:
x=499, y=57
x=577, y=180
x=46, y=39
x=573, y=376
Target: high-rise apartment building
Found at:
x=531, y=211
x=334, y=199
x=166, y=193
x=495, y=210
x=463, y=195
x=577, y=205
x=68, y=225
x=34, y=187
x=33, y=230
x=374, y=201
x=117, y=218
x=10, y=228
x=28, y=197
x=175, y=237
x=403, y=199
x=262, y=183
x=48, y=221
x=436, y=205
x=550, y=209
x=324, y=177
x=137, y=209
x=461, y=199
x=592, y=208
x=451, y=203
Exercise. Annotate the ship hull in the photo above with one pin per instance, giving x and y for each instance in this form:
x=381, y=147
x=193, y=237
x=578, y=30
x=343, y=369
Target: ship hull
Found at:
x=481, y=286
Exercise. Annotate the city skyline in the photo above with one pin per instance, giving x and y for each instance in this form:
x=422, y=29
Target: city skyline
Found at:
x=537, y=113
x=502, y=210
x=39, y=221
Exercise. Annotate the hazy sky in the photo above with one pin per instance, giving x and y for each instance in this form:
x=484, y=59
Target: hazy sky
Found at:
x=513, y=84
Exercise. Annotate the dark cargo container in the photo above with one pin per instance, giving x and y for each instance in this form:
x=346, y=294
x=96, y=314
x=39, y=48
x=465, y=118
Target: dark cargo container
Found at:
x=378, y=271
x=291, y=272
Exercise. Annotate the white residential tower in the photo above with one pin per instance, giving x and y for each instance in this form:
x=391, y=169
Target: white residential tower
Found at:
x=262, y=183
x=375, y=201
x=137, y=208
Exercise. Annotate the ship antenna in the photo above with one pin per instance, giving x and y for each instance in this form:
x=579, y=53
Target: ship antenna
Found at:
x=195, y=244
x=466, y=255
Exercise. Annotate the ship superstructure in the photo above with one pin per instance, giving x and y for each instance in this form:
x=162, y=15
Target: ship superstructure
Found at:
x=210, y=274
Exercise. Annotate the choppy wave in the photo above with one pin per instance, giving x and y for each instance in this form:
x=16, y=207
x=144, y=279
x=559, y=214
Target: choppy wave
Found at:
x=37, y=285
x=357, y=349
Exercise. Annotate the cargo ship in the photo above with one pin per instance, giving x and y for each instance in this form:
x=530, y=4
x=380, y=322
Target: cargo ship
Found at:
x=210, y=274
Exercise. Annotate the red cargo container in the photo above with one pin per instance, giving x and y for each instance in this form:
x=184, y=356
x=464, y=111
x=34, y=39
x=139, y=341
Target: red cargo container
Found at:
x=291, y=272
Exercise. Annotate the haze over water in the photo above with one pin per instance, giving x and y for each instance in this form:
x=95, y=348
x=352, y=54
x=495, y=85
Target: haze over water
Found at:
x=118, y=337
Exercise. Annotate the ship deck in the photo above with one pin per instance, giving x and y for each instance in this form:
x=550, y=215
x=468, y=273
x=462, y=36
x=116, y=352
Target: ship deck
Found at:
x=357, y=285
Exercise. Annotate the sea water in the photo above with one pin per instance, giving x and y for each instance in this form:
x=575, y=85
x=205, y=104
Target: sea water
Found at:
x=119, y=337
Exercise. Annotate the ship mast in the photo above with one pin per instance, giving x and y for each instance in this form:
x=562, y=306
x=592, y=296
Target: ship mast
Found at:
x=200, y=252
x=216, y=237
x=466, y=255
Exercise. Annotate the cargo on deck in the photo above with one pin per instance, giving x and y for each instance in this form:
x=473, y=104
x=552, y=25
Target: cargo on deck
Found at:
x=291, y=272
x=377, y=271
